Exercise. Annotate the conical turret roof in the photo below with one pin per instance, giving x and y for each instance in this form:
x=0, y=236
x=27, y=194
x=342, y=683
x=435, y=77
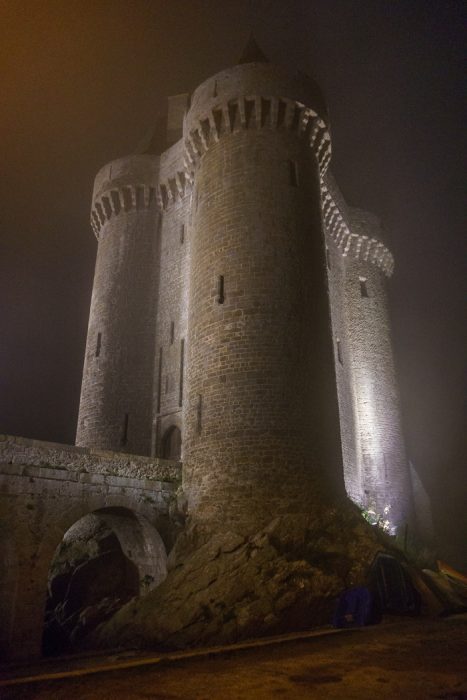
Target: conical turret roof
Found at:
x=252, y=53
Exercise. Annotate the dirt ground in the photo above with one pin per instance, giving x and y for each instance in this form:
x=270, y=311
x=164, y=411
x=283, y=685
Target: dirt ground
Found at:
x=402, y=659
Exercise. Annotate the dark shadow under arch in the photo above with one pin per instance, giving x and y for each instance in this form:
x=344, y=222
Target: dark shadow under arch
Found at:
x=106, y=557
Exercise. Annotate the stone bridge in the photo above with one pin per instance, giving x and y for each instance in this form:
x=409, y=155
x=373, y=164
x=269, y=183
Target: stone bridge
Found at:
x=45, y=488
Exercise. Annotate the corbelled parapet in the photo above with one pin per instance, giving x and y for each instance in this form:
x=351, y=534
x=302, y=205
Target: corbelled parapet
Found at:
x=353, y=243
x=122, y=185
x=257, y=96
x=174, y=180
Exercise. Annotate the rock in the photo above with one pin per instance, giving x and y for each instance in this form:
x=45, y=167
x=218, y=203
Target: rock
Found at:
x=231, y=541
x=227, y=587
x=92, y=616
x=110, y=574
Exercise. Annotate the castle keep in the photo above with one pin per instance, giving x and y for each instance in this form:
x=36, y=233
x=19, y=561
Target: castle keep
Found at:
x=239, y=317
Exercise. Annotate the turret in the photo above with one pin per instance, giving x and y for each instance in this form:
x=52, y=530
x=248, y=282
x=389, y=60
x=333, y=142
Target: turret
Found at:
x=116, y=395
x=376, y=468
x=260, y=417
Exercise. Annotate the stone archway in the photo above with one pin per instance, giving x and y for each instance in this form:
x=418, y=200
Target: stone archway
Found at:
x=105, y=558
x=171, y=444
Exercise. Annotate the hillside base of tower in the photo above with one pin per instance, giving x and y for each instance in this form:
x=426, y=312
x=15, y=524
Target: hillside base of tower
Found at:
x=225, y=587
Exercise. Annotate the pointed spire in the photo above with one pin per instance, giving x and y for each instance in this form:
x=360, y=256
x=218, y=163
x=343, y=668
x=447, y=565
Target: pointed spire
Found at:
x=252, y=53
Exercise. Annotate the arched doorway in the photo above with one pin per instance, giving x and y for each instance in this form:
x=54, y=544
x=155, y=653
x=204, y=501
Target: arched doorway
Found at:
x=172, y=444
x=106, y=558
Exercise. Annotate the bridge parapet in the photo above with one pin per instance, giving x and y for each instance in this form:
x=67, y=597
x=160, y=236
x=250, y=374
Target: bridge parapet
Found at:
x=82, y=460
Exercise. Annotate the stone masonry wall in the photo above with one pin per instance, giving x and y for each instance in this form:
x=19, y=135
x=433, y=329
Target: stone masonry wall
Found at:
x=255, y=426
x=380, y=439
x=351, y=463
x=172, y=309
x=375, y=462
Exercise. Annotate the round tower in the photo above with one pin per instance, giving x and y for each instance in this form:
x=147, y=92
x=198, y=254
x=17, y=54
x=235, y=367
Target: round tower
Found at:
x=376, y=468
x=260, y=414
x=116, y=394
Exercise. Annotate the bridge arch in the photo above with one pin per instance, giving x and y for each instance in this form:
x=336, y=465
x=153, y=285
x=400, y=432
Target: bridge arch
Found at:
x=104, y=559
x=44, y=490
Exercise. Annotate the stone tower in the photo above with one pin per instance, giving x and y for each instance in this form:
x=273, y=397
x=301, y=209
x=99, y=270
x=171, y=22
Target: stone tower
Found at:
x=376, y=469
x=224, y=249
x=116, y=394
x=256, y=429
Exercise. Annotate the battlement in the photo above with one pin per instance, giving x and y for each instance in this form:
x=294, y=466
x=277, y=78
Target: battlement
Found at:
x=256, y=96
x=174, y=179
x=117, y=200
x=257, y=112
x=123, y=185
x=353, y=243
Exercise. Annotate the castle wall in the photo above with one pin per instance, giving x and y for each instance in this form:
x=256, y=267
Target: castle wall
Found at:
x=172, y=310
x=348, y=429
x=116, y=396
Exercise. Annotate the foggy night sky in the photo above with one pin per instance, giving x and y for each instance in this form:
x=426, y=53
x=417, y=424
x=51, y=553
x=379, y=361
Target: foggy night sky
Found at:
x=82, y=82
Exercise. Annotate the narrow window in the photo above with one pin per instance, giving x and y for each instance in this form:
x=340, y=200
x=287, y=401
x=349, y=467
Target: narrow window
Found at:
x=199, y=412
x=265, y=111
x=98, y=344
x=220, y=289
x=159, y=382
x=250, y=112
x=182, y=363
x=172, y=332
x=281, y=113
x=363, y=287
x=328, y=258
x=339, y=351
x=157, y=438
x=166, y=383
x=233, y=114
x=124, y=438
x=182, y=234
x=164, y=196
x=293, y=173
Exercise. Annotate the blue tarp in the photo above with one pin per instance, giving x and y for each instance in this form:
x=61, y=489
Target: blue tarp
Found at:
x=355, y=608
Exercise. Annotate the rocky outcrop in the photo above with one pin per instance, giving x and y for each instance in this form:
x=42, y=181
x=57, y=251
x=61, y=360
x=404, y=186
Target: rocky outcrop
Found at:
x=225, y=587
